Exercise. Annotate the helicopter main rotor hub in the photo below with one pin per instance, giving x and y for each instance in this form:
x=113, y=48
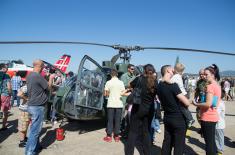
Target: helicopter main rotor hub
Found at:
x=124, y=51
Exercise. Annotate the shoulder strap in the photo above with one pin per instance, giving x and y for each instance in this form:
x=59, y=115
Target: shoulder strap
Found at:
x=139, y=81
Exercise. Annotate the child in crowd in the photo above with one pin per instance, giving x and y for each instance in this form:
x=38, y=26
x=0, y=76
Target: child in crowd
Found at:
x=24, y=117
x=220, y=126
x=177, y=78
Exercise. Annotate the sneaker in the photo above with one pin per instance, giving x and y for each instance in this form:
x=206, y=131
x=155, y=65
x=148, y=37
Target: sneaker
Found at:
x=159, y=131
x=117, y=138
x=220, y=153
x=22, y=143
x=154, y=142
x=107, y=139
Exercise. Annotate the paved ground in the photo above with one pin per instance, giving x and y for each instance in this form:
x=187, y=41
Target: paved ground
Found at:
x=85, y=138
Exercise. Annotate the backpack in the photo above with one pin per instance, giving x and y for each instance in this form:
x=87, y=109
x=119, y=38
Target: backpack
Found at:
x=135, y=95
x=2, y=77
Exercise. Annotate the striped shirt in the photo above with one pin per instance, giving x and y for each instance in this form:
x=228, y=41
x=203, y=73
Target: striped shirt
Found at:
x=16, y=82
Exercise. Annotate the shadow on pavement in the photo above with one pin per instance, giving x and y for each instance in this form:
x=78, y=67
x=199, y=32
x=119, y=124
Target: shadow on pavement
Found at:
x=83, y=126
x=154, y=150
x=196, y=142
x=11, y=128
x=228, y=142
x=229, y=115
x=193, y=128
x=189, y=151
x=49, y=137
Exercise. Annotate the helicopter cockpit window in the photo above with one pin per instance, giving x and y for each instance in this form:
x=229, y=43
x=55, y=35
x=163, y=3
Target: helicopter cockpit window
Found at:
x=90, y=87
x=91, y=76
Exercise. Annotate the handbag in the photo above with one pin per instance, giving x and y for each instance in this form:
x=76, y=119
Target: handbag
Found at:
x=136, y=93
x=158, y=114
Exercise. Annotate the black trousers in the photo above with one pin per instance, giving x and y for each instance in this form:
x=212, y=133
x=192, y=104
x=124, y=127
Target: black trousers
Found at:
x=47, y=112
x=139, y=132
x=114, y=121
x=174, y=135
x=208, y=131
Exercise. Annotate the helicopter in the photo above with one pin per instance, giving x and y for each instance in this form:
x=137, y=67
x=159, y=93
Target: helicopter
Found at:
x=81, y=96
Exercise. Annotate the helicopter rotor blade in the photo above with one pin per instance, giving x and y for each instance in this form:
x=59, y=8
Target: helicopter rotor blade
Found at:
x=54, y=42
x=189, y=50
x=118, y=47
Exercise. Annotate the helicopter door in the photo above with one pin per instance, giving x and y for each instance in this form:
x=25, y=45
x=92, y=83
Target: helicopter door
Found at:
x=90, y=84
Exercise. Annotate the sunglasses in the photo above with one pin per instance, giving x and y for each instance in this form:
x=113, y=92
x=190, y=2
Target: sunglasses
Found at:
x=132, y=69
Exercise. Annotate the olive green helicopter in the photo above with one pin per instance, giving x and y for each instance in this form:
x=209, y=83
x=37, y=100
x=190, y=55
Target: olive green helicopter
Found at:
x=81, y=96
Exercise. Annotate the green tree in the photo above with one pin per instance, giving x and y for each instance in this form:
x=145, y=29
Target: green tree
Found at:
x=177, y=60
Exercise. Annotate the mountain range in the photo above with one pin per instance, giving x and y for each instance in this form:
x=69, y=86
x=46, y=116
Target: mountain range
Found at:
x=222, y=74
x=228, y=73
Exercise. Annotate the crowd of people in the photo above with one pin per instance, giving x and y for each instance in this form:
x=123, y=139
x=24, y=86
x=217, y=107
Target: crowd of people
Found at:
x=133, y=108
x=36, y=106
x=171, y=93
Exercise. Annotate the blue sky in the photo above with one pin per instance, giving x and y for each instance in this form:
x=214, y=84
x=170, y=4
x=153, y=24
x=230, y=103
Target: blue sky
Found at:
x=199, y=24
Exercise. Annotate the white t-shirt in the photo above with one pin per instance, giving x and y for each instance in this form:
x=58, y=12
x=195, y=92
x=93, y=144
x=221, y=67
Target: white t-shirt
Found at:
x=193, y=82
x=114, y=87
x=226, y=86
x=177, y=78
x=221, y=111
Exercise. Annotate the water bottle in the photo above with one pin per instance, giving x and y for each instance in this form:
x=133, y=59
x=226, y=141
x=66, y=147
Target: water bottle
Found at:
x=214, y=101
x=202, y=97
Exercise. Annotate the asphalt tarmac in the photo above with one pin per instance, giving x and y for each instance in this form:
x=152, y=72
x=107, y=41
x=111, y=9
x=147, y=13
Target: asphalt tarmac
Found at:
x=86, y=138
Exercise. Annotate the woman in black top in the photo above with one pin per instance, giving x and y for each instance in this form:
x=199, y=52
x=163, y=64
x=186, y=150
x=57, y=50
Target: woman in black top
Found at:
x=171, y=97
x=142, y=114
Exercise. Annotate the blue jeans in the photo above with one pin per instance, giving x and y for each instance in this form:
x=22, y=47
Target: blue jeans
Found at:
x=155, y=125
x=37, y=114
x=14, y=96
x=219, y=140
